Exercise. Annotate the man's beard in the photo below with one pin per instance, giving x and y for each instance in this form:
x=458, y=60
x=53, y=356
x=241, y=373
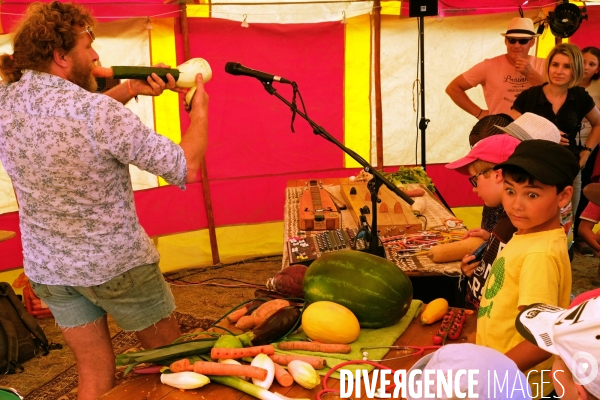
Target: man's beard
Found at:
x=82, y=76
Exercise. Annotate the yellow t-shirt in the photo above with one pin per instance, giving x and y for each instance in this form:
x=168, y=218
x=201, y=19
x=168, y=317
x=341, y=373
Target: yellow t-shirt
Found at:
x=532, y=268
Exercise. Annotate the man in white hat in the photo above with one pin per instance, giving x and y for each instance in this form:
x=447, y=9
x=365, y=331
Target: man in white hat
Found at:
x=503, y=77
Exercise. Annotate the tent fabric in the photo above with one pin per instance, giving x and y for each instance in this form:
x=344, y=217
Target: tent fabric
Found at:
x=252, y=153
x=587, y=34
x=11, y=11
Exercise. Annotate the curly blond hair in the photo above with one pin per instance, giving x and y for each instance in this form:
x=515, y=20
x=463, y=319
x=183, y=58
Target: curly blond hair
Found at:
x=43, y=29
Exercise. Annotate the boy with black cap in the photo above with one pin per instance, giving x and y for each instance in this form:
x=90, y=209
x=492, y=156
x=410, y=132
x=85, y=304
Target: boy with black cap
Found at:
x=534, y=266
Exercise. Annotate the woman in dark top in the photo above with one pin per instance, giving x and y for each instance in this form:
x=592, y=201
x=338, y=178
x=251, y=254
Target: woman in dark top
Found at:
x=564, y=103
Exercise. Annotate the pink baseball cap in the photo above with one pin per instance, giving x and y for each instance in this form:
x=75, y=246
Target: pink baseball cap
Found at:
x=494, y=149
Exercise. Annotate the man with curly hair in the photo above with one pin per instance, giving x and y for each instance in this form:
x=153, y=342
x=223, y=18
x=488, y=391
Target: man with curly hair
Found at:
x=67, y=151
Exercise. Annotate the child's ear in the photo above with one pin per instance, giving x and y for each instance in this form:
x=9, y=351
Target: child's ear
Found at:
x=499, y=177
x=565, y=196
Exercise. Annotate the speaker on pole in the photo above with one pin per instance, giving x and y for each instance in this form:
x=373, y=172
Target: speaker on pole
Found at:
x=422, y=8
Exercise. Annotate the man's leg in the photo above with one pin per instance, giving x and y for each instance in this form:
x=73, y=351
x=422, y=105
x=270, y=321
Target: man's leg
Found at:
x=162, y=333
x=94, y=356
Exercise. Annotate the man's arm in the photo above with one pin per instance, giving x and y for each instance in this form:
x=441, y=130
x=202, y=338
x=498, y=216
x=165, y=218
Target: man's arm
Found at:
x=456, y=90
x=194, y=141
x=527, y=355
x=153, y=86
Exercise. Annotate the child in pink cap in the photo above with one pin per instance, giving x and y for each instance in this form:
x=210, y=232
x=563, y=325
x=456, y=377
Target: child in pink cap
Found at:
x=487, y=183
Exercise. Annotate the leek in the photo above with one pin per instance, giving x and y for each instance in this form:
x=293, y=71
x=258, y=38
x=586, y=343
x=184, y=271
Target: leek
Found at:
x=249, y=388
x=170, y=352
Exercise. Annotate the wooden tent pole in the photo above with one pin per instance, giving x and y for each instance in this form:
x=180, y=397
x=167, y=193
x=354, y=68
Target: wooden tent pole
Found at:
x=377, y=78
x=214, y=248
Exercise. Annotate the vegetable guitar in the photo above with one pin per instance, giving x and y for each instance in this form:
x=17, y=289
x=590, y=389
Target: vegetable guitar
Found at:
x=184, y=74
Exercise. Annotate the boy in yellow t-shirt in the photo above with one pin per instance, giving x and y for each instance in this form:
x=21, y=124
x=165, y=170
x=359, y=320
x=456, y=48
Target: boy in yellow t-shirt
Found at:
x=534, y=266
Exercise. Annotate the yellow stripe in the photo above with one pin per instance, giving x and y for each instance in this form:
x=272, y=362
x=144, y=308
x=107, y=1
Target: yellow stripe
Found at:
x=546, y=43
x=198, y=10
x=236, y=242
x=390, y=7
x=166, y=106
x=470, y=216
x=357, y=74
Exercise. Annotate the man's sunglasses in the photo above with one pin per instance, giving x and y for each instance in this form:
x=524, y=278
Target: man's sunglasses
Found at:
x=521, y=41
x=89, y=31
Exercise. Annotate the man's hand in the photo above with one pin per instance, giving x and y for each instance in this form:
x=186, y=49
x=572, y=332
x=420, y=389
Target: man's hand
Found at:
x=199, y=104
x=523, y=66
x=153, y=85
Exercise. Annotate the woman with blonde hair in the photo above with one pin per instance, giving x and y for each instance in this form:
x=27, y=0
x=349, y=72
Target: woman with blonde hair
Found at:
x=566, y=104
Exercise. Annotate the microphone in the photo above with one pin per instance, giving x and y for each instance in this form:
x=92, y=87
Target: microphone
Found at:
x=234, y=68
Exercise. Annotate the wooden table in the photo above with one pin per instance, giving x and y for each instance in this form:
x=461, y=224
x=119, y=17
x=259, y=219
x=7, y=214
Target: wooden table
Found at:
x=148, y=387
x=430, y=280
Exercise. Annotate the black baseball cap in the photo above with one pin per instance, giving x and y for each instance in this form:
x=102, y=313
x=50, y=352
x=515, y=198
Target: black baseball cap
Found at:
x=548, y=162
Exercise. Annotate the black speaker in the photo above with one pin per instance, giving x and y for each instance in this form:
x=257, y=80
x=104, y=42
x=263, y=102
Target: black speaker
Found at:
x=422, y=8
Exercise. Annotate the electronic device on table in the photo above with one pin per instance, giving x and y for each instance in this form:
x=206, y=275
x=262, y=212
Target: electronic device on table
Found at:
x=304, y=250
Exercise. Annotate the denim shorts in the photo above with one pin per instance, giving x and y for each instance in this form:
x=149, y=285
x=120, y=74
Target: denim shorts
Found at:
x=135, y=299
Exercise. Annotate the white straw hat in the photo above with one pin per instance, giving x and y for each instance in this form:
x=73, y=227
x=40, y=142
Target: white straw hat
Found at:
x=520, y=28
x=531, y=126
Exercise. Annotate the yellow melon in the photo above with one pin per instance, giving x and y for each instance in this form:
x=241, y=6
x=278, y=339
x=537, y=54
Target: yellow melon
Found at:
x=330, y=322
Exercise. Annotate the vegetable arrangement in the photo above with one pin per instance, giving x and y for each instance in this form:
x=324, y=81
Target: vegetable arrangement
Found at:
x=380, y=296
x=406, y=175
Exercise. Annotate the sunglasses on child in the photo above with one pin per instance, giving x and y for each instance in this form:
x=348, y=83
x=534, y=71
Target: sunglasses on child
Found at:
x=521, y=41
x=473, y=179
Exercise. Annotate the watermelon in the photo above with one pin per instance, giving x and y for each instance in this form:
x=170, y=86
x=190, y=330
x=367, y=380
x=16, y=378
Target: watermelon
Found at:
x=373, y=288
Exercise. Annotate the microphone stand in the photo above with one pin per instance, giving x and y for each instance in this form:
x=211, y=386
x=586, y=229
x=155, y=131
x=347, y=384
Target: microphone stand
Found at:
x=373, y=185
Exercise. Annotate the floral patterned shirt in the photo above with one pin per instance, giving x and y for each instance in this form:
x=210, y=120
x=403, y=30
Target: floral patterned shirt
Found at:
x=68, y=152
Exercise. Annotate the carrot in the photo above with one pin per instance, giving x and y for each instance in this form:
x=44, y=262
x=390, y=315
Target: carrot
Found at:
x=414, y=192
x=315, y=346
x=181, y=366
x=284, y=359
x=248, y=322
x=212, y=368
x=216, y=352
x=282, y=376
x=102, y=72
x=234, y=316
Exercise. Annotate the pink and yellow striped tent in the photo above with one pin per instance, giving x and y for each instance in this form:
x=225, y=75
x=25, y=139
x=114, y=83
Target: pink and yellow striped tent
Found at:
x=327, y=49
